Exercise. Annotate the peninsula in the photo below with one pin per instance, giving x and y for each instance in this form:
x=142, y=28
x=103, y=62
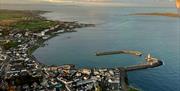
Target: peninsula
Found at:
x=21, y=32
x=159, y=14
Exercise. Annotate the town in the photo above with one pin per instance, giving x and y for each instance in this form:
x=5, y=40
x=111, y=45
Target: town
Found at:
x=21, y=71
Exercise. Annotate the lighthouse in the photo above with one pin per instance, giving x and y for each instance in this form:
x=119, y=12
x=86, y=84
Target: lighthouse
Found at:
x=149, y=58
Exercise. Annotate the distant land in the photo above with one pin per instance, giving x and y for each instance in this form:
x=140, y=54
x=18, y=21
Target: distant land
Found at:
x=158, y=14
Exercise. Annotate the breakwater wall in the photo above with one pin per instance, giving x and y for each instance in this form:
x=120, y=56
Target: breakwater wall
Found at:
x=136, y=53
x=144, y=66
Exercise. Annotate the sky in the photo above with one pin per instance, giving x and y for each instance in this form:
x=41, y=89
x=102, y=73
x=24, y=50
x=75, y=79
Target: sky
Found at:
x=96, y=2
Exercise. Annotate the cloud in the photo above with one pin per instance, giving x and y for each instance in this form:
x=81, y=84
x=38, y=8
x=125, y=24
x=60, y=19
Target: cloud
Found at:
x=157, y=3
x=62, y=1
x=19, y=1
x=57, y=1
x=154, y=3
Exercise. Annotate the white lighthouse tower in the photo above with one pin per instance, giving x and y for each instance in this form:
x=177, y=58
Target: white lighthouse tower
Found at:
x=149, y=58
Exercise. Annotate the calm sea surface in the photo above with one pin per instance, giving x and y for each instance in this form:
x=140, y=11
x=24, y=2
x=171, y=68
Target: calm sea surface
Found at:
x=115, y=30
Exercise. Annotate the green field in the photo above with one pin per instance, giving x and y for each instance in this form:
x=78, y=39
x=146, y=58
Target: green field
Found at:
x=34, y=25
x=17, y=14
x=24, y=20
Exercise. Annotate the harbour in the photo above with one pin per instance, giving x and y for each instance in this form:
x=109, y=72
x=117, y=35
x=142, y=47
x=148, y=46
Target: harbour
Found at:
x=113, y=32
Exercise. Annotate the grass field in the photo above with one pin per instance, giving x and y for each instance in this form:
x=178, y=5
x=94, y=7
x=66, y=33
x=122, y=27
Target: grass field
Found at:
x=24, y=20
x=18, y=14
x=34, y=25
x=7, y=14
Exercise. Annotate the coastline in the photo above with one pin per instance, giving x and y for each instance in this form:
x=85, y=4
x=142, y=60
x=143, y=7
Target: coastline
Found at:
x=54, y=34
x=37, y=39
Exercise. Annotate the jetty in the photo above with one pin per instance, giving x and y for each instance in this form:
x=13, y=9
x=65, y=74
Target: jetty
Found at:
x=136, y=53
x=150, y=63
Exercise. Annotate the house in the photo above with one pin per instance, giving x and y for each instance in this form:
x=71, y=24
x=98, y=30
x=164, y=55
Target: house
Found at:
x=26, y=34
x=46, y=37
x=3, y=57
x=60, y=31
x=86, y=71
x=42, y=33
x=46, y=30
